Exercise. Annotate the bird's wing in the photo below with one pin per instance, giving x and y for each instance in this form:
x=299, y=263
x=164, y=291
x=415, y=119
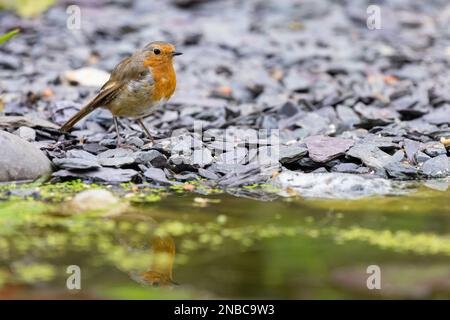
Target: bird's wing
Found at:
x=129, y=69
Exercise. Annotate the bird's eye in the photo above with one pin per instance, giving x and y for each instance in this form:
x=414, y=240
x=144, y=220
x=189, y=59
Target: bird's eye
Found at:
x=156, y=51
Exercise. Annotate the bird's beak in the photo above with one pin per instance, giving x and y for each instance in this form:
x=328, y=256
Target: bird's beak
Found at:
x=177, y=53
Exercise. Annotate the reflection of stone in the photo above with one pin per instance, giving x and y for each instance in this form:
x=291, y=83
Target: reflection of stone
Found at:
x=163, y=257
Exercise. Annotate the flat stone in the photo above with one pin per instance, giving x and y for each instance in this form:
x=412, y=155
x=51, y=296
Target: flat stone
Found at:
x=152, y=157
x=323, y=149
x=116, y=161
x=115, y=153
x=235, y=156
x=25, y=121
x=292, y=153
x=347, y=115
x=157, y=175
x=76, y=163
x=348, y=167
x=370, y=155
x=438, y=167
x=411, y=148
x=439, y=116
x=94, y=148
x=402, y=171
x=110, y=175
x=421, y=157
x=208, y=174
x=434, y=149
x=76, y=153
x=20, y=160
x=202, y=157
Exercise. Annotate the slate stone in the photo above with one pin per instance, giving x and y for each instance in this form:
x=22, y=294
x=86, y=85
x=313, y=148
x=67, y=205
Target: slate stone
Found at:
x=115, y=153
x=370, y=155
x=94, y=148
x=434, y=149
x=439, y=116
x=348, y=167
x=207, y=174
x=411, y=149
x=76, y=163
x=77, y=153
x=157, y=175
x=437, y=167
x=152, y=157
x=347, y=115
x=236, y=156
x=109, y=175
x=292, y=153
x=323, y=149
x=314, y=124
x=402, y=171
x=116, y=161
x=421, y=157
x=201, y=157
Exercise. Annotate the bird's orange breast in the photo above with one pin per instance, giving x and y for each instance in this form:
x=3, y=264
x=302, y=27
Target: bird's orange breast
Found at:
x=165, y=81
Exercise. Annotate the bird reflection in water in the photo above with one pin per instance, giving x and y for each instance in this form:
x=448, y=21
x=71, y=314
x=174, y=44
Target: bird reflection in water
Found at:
x=163, y=257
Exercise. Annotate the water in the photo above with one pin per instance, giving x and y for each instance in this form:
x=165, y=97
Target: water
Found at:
x=219, y=246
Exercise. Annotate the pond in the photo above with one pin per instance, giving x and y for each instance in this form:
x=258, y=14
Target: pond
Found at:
x=175, y=244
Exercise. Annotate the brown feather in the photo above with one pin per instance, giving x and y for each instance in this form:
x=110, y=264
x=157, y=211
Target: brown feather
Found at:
x=102, y=99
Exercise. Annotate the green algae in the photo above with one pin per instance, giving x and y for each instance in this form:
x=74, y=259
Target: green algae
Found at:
x=37, y=242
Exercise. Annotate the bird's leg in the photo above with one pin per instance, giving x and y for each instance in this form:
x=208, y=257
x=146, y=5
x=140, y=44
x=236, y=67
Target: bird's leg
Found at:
x=141, y=123
x=116, y=125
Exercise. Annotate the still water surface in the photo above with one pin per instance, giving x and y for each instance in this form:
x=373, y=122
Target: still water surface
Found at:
x=220, y=246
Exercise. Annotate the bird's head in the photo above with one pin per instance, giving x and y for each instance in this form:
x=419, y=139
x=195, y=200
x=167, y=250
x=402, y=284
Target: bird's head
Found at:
x=158, y=52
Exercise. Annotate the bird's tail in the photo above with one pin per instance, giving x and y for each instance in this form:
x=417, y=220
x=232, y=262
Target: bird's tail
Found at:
x=79, y=115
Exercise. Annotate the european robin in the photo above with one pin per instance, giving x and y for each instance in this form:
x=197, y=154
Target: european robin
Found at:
x=138, y=85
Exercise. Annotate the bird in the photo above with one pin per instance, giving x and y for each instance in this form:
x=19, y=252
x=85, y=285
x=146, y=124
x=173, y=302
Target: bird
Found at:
x=137, y=86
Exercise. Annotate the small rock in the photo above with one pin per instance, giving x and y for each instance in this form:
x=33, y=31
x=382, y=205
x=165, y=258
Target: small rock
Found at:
x=411, y=148
x=434, y=149
x=292, y=153
x=349, y=167
x=90, y=77
x=110, y=175
x=402, y=171
x=20, y=160
x=152, y=157
x=92, y=200
x=115, y=153
x=323, y=149
x=207, y=174
x=26, y=133
x=157, y=175
x=135, y=141
x=76, y=153
x=202, y=157
x=236, y=156
x=437, y=167
x=421, y=157
x=370, y=155
x=76, y=163
x=116, y=161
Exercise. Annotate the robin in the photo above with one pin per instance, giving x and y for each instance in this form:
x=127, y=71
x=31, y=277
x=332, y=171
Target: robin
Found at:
x=138, y=85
